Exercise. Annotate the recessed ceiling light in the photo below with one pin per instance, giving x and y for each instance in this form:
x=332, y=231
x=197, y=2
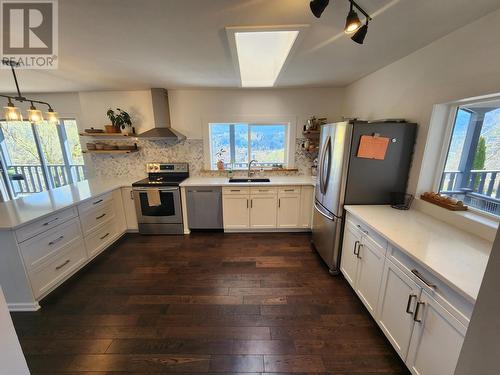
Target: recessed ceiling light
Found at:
x=261, y=53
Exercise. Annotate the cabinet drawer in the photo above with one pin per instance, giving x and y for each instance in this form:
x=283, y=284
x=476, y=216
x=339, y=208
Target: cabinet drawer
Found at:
x=48, y=275
x=39, y=226
x=262, y=190
x=101, y=238
x=46, y=245
x=94, y=217
x=99, y=201
x=244, y=190
x=289, y=190
x=377, y=239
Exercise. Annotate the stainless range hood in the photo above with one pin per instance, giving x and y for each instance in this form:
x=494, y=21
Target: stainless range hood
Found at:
x=161, y=118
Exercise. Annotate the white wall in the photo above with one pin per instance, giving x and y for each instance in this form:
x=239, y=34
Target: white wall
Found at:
x=462, y=64
x=191, y=109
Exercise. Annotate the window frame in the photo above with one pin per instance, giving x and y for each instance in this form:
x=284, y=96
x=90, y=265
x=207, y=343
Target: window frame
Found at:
x=290, y=137
x=63, y=142
x=452, y=112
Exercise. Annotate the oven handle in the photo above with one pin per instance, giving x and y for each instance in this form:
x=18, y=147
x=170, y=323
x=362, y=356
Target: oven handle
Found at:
x=160, y=189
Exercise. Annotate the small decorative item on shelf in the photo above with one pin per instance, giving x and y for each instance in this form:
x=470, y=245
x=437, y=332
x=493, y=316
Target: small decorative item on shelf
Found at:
x=220, y=162
x=120, y=122
x=277, y=166
x=314, y=167
x=99, y=146
x=313, y=124
x=94, y=131
x=442, y=201
x=91, y=146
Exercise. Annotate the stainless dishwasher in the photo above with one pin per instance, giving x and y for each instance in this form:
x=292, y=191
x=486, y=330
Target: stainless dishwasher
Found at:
x=204, y=207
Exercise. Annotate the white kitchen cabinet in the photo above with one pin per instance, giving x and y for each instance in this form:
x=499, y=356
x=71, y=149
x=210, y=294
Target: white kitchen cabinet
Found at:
x=289, y=209
x=306, y=206
x=349, y=261
x=236, y=209
x=129, y=209
x=371, y=258
x=263, y=211
x=436, y=341
x=398, y=297
x=120, y=219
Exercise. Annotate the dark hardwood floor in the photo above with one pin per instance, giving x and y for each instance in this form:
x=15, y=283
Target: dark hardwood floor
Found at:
x=205, y=303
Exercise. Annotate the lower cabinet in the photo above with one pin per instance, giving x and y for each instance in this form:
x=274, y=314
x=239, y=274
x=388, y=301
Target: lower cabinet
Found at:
x=129, y=209
x=263, y=211
x=289, y=208
x=236, y=210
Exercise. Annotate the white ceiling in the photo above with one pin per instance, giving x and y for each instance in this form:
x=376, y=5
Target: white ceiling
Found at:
x=136, y=44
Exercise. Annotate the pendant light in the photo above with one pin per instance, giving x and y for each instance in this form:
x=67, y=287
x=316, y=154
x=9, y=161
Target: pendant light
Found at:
x=352, y=22
x=318, y=6
x=52, y=117
x=34, y=115
x=12, y=113
x=359, y=36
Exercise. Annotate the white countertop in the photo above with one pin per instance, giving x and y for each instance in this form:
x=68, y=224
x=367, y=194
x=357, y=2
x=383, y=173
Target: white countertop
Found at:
x=456, y=257
x=21, y=211
x=275, y=181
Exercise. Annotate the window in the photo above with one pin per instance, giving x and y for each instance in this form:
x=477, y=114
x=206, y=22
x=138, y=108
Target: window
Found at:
x=472, y=168
x=35, y=157
x=237, y=144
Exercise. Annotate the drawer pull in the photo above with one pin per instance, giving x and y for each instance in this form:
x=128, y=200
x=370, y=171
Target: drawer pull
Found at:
x=50, y=221
x=55, y=241
x=289, y=189
x=131, y=194
x=62, y=265
x=235, y=190
x=100, y=216
x=417, y=310
x=428, y=283
x=358, y=255
x=97, y=202
x=408, y=305
x=106, y=235
x=263, y=191
x=361, y=229
x=279, y=203
x=356, y=248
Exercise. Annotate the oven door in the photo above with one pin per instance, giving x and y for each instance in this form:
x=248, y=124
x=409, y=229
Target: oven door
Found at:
x=168, y=212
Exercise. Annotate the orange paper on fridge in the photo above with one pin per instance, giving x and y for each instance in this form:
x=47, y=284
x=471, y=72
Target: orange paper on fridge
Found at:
x=373, y=147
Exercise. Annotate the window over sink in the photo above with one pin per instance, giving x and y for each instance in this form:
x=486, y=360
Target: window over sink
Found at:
x=236, y=144
x=472, y=168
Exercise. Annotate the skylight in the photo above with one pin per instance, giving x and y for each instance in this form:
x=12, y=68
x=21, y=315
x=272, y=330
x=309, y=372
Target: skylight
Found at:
x=261, y=53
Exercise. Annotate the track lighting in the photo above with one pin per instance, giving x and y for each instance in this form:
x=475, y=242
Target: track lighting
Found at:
x=353, y=25
x=318, y=6
x=13, y=113
x=352, y=22
x=359, y=36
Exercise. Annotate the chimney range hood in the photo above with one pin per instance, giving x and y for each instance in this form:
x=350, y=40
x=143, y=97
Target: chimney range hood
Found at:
x=161, y=118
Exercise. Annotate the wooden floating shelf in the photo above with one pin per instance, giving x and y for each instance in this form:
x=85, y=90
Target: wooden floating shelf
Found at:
x=311, y=132
x=110, y=151
x=107, y=135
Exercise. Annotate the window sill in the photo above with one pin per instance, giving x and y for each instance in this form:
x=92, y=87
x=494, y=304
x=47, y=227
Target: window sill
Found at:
x=469, y=221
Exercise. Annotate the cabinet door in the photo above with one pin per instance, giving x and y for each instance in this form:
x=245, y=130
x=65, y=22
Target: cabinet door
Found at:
x=129, y=208
x=436, y=341
x=288, y=211
x=370, y=269
x=349, y=260
x=396, y=305
x=235, y=210
x=263, y=211
x=306, y=206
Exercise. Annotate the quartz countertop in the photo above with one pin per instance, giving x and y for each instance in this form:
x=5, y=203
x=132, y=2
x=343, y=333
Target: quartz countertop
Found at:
x=454, y=256
x=22, y=211
x=224, y=181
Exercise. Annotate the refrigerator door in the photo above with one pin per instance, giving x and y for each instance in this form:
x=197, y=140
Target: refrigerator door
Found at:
x=325, y=237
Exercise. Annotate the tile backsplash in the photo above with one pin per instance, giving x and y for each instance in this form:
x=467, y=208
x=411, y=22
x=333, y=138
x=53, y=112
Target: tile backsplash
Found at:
x=190, y=150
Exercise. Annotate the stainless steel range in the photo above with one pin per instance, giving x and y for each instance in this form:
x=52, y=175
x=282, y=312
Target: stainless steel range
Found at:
x=158, y=198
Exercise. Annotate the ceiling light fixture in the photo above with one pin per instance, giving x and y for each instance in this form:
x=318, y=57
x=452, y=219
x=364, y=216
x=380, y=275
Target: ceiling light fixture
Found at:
x=318, y=6
x=13, y=113
x=353, y=25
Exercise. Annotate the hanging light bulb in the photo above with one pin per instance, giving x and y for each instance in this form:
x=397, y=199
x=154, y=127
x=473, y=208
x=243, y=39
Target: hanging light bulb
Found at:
x=352, y=22
x=52, y=116
x=34, y=115
x=360, y=34
x=12, y=113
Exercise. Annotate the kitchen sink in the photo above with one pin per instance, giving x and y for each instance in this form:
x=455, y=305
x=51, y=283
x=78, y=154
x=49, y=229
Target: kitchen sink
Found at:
x=249, y=180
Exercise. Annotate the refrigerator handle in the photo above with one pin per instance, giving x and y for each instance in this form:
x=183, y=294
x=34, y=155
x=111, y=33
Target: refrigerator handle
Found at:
x=321, y=165
x=323, y=214
x=328, y=152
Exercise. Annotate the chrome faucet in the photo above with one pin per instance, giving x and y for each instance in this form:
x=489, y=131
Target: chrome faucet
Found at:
x=250, y=172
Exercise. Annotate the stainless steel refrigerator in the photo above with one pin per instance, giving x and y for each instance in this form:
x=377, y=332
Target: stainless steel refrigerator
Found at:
x=344, y=178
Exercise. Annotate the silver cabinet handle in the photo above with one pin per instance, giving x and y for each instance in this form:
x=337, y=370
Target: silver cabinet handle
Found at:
x=235, y=190
x=97, y=202
x=279, y=202
x=100, y=216
x=247, y=203
x=408, y=305
x=251, y=203
x=289, y=189
x=417, y=310
x=355, y=251
x=358, y=255
x=62, y=265
x=361, y=229
x=50, y=221
x=419, y=275
x=132, y=194
x=106, y=235
x=53, y=242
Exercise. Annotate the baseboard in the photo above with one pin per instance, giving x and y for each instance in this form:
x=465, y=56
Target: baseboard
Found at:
x=23, y=306
x=270, y=230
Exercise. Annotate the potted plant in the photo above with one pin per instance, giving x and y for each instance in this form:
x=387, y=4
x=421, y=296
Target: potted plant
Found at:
x=220, y=162
x=120, y=121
